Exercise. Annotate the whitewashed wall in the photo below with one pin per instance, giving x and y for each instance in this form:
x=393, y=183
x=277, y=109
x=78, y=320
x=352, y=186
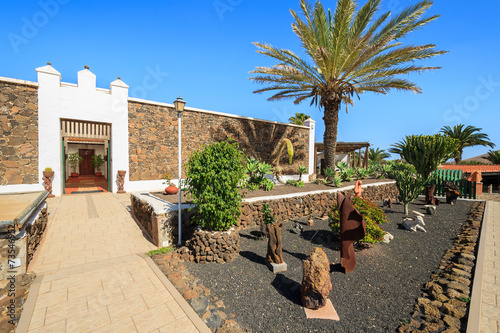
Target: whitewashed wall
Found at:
x=83, y=101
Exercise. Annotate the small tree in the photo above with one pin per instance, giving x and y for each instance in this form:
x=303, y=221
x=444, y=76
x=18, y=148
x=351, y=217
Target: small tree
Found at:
x=213, y=175
x=97, y=162
x=409, y=183
x=426, y=152
x=299, y=118
x=74, y=160
x=302, y=170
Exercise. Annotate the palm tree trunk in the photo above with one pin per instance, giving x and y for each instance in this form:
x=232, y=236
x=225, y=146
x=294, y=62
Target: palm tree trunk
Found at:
x=331, y=119
x=458, y=159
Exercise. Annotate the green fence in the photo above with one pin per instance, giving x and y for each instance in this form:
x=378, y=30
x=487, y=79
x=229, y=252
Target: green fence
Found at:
x=467, y=188
x=447, y=174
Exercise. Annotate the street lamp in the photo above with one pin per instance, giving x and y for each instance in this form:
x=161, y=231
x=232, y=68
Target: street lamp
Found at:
x=179, y=107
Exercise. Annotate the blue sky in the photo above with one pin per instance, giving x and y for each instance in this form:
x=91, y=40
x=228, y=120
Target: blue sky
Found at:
x=202, y=50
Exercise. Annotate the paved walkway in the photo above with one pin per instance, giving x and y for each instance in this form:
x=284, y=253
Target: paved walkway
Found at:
x=94, y=278
x=490, y=307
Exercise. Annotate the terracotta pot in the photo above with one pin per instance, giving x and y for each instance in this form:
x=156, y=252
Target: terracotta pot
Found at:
x=98, y=174
x=74, y=175
x=48, y=174
x=171, y=190
x=121, y=173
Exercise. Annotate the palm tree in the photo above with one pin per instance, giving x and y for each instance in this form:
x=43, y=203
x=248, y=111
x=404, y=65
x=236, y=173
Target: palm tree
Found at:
x=493, y=156
x=299, y=118
x=468, y=137
x=348, y=53
x=377, y=155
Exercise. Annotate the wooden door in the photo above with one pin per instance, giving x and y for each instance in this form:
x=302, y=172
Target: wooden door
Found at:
x=86, y=167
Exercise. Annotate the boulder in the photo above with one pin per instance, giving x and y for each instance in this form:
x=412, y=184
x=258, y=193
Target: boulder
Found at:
x=316, y=284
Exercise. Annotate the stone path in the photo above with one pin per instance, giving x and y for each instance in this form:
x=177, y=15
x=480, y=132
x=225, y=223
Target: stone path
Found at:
x=95, y=277
x=490, y=307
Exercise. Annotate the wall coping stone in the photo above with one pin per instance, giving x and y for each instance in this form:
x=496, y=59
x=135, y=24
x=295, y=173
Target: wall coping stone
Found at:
x=160, y=206
x=303, y=194
x=187, y=108
x=17, y=81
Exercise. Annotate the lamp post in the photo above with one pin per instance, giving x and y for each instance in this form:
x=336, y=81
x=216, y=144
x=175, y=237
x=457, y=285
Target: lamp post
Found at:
x=179, y=107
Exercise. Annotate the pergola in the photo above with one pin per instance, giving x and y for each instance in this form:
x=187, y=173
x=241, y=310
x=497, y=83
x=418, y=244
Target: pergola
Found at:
x=346, y=148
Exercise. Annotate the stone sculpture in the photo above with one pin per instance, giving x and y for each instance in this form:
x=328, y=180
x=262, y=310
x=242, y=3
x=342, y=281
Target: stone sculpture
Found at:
x=47, y=182
x=452, y=192
x=352, y=229
x=413, y=225
x=121, y=180
x=316, y=283
x=358, y=188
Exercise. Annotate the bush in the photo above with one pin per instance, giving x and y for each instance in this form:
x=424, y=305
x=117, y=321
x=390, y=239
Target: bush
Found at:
x=256, y=172
x=373, y=215
x=213, y=174
x=296, y=183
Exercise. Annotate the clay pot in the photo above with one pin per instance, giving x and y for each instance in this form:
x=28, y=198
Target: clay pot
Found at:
x=121, y=173
x=74, y=175
x=48, y=174
x=171, y=189
x=98, y=174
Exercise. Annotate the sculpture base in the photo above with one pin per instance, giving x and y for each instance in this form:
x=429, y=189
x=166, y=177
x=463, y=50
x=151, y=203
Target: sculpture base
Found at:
x=326, y=312
x=121, y=191
x=276, y=268
x=51, y=196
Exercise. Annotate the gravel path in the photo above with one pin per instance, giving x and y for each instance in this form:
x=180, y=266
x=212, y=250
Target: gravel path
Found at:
x=375, y=297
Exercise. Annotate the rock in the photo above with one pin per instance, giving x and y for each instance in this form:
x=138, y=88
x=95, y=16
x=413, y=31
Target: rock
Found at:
x=431, y=209
x=431, y=311
x=452, y=311
x=190, y=294
x=230, y=326
x=387, y=238
x=297, y=228
x=199, y=304
x=452, y=322
x=214, y=321
x=316, y=283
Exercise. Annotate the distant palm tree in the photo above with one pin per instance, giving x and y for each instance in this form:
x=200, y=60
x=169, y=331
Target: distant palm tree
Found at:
x=468, y=137
x=349, y=52
x=493, y=156
x=299, y=118
x=377, y=155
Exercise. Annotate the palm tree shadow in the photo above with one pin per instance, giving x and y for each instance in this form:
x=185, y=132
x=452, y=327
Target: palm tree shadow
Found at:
x=321, y=237
x=288, y=288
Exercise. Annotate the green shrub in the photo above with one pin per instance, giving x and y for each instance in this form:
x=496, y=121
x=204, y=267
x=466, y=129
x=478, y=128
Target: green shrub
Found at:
x=162, y=250
x=267, y=217
x=347, y=174
x=373, y=215
x=362, y=173
x=337, y=181
x=256, y=172
x=213, y=174
x=296, y=183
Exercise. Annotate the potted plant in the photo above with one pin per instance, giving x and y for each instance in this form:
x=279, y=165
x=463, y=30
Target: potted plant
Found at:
x=74, y=160
x=97, y=162
x=171, y=188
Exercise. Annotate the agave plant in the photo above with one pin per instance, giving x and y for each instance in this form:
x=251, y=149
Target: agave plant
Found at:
x=330, y=174
x=341, y=166
x=347, y=174
x=337, y=181
x=362, y=173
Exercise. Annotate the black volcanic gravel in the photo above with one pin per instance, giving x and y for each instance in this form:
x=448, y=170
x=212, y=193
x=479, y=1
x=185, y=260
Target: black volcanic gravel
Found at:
x=375, y=297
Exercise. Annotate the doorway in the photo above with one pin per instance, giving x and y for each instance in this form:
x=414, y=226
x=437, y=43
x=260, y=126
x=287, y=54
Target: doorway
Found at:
x=86, y=167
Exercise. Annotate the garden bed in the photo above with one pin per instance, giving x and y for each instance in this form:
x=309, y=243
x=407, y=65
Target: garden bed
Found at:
x=377, y=296
x=276, y=191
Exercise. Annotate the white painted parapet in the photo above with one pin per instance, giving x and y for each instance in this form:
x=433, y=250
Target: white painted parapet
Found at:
x=312, y=137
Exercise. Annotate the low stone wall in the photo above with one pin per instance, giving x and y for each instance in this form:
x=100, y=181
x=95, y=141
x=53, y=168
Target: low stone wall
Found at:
x=160, y=219
x=217, y=247
x=445, y=302
x=21, y=244
x=317, y=204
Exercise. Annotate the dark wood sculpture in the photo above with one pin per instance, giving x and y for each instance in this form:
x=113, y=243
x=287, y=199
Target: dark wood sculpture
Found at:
x=352, y=229
x=274, y=243
x=429, y=196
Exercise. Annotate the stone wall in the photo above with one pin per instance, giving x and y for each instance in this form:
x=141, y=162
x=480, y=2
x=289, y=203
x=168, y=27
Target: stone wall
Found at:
x=19, y=134
x=23, y=248
x=161, y=222
x=311, y=204
x=153, y=139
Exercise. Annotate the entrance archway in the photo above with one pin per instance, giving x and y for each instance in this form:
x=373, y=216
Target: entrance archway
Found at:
x=85, y=139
